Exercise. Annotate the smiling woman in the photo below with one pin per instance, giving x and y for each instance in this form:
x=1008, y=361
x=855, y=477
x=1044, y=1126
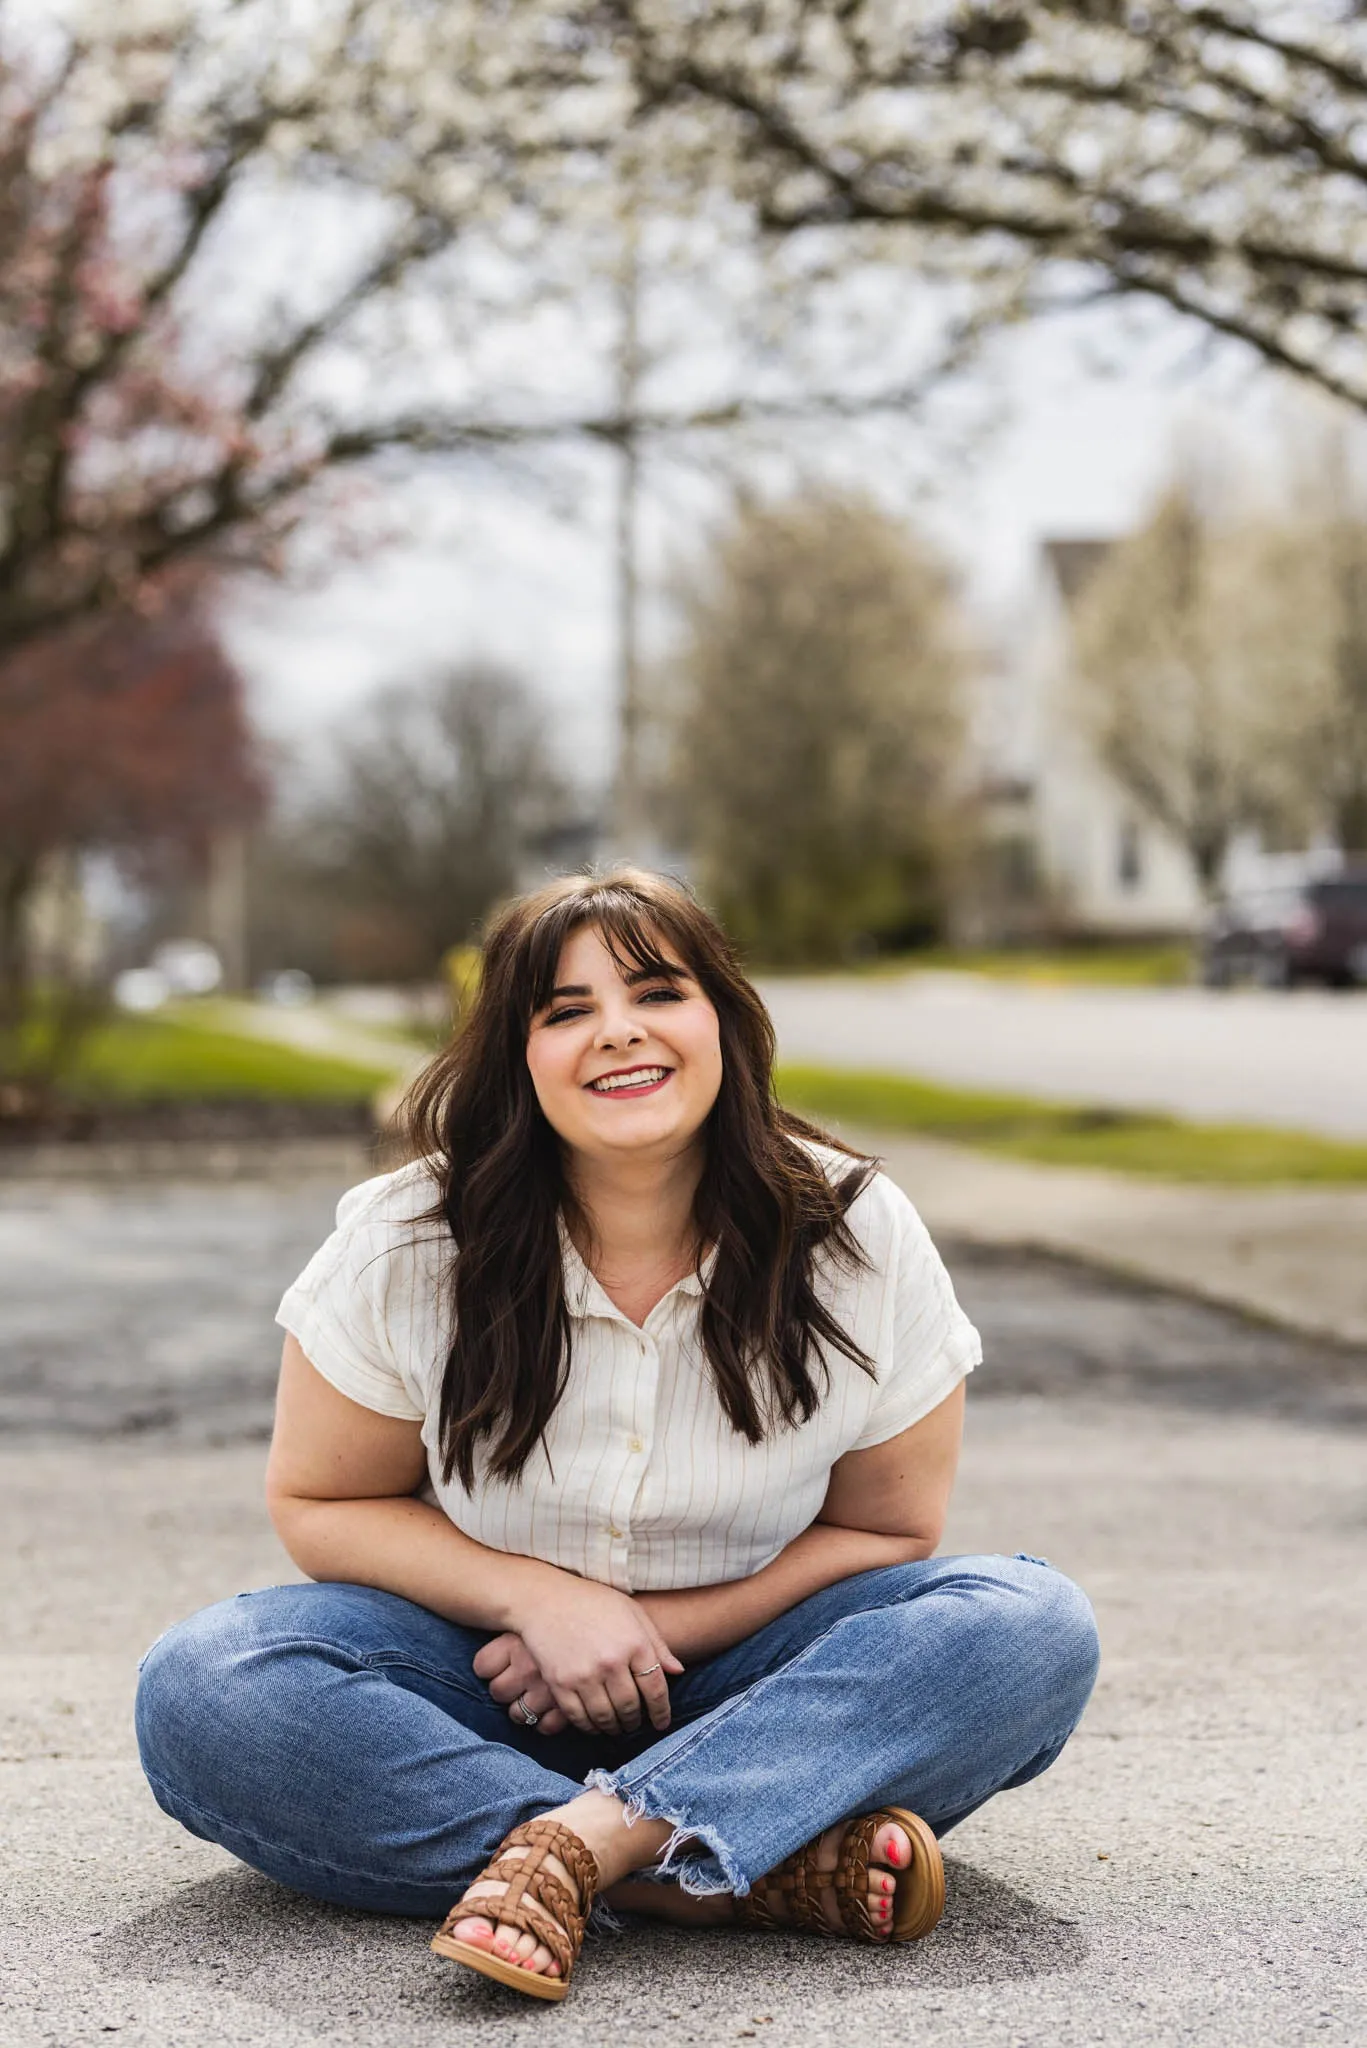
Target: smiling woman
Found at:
x=634, y=1403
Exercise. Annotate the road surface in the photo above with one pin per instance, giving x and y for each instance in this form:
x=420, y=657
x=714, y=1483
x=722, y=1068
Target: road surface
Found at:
x=1297, y=1060
x=1189, y=1875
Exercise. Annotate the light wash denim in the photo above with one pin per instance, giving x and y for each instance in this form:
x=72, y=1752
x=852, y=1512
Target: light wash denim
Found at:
x=337, y=1739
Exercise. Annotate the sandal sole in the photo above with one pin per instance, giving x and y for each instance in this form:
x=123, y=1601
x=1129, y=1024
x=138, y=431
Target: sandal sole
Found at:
x=531, y=1983
x=920, y=1897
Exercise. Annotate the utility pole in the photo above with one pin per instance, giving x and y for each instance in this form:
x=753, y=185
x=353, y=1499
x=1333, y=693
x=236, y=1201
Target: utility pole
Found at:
x=629, y=827
x=226, y=905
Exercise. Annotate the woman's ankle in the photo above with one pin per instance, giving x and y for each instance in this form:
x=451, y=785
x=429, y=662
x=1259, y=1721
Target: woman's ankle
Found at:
x=599, y=1819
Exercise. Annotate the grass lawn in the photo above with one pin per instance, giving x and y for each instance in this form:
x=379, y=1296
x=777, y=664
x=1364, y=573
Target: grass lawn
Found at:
x=1061, y=1134
x=141, y=1059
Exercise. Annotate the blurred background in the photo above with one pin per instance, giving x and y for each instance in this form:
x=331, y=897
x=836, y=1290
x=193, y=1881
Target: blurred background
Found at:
x=901, y=465
x=908, y=480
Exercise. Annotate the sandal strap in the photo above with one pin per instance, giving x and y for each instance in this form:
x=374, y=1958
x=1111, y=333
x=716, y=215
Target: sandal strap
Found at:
x=850, y=1878
x=754, y=1910
x=805, y=1896
x=795, y=1883
x=799, y=1881
x=555, y=1839
x=536, y=1900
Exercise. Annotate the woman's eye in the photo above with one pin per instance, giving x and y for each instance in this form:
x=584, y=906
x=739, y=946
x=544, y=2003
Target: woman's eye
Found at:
x=559, y=1016
x=663, y=995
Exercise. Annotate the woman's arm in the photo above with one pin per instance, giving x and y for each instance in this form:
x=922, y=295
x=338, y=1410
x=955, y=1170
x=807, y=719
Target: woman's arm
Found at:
x=883, y=1506
x=340, y=1487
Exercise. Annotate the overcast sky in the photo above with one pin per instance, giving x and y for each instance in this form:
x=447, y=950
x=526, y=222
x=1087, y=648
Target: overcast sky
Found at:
x=492, y=570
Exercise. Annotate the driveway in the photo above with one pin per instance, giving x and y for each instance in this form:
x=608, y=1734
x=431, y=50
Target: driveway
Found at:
x=1258, y=1056
x=1190, y=1872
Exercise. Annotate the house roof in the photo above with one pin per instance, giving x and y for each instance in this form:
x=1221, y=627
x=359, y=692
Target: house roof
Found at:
x=1074, y=563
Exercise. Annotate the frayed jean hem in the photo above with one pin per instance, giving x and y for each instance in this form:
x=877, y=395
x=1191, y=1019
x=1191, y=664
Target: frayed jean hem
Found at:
x=701, y=1875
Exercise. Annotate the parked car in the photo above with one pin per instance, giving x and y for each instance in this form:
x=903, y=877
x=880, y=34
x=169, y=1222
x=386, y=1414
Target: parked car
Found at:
x=1316, y=931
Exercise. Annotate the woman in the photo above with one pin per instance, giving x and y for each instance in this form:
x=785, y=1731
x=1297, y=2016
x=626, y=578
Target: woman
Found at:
x=616, y=1436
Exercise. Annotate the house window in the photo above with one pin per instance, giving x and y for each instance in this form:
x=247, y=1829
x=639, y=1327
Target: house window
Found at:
x=1129, y=856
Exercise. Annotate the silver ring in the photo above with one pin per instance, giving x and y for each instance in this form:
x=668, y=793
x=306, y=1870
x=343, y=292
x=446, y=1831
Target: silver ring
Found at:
x=646, y=1673
x=529, y=1719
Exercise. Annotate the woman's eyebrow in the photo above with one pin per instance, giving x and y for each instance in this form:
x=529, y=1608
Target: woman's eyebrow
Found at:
x=637, y=974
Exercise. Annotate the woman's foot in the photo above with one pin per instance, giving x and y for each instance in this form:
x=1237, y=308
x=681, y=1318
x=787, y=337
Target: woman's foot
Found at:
x=890, y=1854
x=509, y=1942
x=599, y=1822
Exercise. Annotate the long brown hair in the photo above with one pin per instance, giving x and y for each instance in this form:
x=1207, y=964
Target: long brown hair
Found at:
x=763, y=1200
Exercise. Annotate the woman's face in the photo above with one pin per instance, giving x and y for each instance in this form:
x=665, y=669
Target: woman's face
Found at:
x=624, y=1062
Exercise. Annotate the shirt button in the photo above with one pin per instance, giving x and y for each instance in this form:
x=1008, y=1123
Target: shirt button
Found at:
x=612, y=1531
x=634, y=1444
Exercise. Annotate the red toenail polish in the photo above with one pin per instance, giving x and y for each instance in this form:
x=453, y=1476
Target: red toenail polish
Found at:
x=893, y=1856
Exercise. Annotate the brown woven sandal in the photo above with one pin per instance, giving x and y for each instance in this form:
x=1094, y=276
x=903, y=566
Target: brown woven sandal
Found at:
x=797, y=1882
x=536, y=1901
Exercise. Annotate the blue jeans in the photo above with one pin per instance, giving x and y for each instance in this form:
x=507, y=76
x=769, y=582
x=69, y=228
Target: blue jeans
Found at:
x=337, y=1739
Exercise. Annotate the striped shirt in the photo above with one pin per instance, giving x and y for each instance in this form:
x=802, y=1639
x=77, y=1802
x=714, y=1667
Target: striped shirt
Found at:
x=640, y=1481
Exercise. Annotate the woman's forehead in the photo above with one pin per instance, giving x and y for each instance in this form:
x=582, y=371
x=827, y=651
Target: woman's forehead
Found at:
x=590, y=953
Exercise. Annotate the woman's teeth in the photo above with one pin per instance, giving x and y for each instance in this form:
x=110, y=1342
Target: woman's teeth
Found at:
x=642, y=1078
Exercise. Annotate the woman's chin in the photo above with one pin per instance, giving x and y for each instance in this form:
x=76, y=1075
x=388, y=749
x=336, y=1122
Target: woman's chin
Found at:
x=641, y=1130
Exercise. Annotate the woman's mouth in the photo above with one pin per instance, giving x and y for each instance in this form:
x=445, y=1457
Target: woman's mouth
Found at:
x=634, y=1083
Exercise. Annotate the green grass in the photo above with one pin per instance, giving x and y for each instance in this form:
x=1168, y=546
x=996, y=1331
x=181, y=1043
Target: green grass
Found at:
x=1062, y=1134
x=1082, y=966
x=1100, y=966
x=141, y=1059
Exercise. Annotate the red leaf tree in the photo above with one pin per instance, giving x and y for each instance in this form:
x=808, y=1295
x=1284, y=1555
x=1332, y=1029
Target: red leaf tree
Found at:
x=126, y=733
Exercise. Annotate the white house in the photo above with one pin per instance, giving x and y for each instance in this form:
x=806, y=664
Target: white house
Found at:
x=1074, y=853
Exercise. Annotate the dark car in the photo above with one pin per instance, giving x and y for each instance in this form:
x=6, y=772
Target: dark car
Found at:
x=1316, y=931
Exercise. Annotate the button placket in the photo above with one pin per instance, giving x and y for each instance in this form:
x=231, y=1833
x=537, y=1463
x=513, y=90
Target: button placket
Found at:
x=643, y=1383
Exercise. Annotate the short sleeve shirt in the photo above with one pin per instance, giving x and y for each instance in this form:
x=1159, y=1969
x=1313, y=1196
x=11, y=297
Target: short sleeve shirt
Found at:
x=640, y=1480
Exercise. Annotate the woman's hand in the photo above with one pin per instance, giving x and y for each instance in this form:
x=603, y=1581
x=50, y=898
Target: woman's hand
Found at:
x=592, y=1648
x=509, y=1670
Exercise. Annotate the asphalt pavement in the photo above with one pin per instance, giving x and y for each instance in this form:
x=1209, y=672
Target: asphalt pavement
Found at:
x=1296, y=1059
x=1190, y=1872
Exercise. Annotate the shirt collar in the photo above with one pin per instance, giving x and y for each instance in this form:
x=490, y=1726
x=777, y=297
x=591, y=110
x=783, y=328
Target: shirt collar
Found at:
x=584, y=1296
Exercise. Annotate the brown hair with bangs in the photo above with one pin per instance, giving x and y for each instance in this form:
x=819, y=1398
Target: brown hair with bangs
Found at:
x=763, y=1200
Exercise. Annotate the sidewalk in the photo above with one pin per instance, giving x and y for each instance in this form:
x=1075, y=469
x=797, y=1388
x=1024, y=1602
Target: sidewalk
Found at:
x=1293, y=1255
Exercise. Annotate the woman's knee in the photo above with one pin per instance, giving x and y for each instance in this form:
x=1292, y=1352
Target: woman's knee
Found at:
x=1010, y=1626
x=187, y=1691
x=1048, y=1628
x=206, y=1687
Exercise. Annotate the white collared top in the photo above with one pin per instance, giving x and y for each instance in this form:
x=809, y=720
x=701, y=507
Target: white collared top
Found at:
x=640, y=1481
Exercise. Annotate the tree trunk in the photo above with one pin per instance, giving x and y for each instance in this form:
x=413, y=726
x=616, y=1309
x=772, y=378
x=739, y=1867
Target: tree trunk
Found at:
x=1351, y=821
x=18, y=879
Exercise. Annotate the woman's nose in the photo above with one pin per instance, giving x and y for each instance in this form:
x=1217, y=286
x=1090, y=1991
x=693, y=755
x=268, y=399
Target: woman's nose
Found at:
x=619, y=1029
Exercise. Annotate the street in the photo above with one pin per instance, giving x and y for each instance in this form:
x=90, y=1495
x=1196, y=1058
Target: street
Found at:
x=1189, y=1872
x=1257, y=1056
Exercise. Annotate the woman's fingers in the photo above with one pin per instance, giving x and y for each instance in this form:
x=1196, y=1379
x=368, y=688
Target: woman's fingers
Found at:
x=574, y=1710
x=494, y=1656
x=538, y=1696
x=626, y=1700
x=599, y=1708
x=654, y=1690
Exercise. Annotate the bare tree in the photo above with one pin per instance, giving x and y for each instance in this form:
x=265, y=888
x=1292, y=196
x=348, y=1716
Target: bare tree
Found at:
x=1338, y=726
x=1303, y=632
x=813, y=770
x=444, y=794
x=1182, y=711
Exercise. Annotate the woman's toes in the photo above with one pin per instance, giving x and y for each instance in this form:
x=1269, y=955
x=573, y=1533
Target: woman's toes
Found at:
x=891, y=1845
x=479, y=1933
